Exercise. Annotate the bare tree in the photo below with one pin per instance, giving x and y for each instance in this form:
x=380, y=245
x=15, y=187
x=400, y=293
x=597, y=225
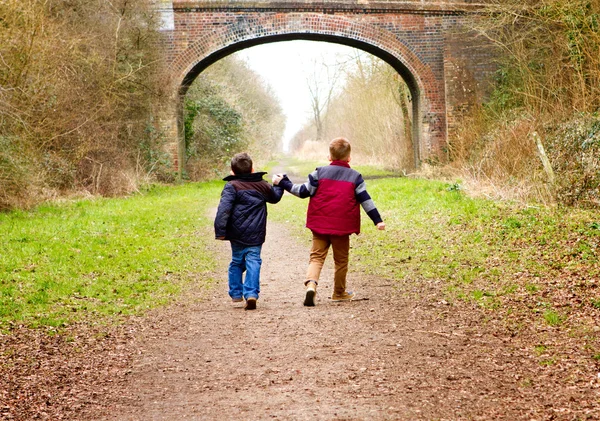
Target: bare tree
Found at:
x=322, y=83
x=373, y=109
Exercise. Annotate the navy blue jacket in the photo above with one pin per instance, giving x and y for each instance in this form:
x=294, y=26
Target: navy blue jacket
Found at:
x=242, y=214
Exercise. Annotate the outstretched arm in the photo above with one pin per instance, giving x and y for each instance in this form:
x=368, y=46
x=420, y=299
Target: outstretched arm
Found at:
x=302, y=191
x=275, y=194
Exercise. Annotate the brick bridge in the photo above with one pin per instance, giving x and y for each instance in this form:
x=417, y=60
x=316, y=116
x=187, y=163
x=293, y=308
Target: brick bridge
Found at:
x=445, y=67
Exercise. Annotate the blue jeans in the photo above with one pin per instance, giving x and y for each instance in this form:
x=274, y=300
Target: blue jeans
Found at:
x=244, y=259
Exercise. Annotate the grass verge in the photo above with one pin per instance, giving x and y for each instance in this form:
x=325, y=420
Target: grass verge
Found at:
x=95, y=259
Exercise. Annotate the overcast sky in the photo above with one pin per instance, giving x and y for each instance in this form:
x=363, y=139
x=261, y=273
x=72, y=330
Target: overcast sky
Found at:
x=285, y=66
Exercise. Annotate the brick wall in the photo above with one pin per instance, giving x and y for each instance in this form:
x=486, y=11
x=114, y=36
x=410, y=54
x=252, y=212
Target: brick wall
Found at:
x=421, y=40
x=469, y=67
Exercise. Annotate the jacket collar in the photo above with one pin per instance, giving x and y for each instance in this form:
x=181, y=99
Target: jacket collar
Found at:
x=255, y=176
x=340, y=163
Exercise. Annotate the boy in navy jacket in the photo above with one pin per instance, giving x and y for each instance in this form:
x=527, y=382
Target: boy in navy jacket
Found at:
x=336, y=194
x=242, y=220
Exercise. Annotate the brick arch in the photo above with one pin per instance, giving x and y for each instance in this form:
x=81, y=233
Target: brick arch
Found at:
x=429, y=132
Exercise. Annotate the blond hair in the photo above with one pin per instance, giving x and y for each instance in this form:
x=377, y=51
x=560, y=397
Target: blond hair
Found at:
x=339, y=149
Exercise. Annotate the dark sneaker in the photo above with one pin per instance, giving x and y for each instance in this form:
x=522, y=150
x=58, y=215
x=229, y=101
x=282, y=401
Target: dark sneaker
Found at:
x=251, y=303
x=311, y=293
x=345, y=296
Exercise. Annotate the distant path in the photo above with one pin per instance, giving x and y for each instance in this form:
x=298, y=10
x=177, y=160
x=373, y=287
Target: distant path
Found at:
x=381, y=358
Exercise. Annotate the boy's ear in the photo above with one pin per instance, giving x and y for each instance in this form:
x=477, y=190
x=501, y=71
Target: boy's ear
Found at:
x=349, y=158
x=329, y=158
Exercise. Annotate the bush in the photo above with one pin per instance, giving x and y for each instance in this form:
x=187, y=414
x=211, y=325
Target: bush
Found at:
x=213, y=131
x=79, y=82
x=574, y=149
x=14, y=177
x=549, y=72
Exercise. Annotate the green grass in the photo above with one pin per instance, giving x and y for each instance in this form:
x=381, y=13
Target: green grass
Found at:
x=99, y=258
x=439, y=233
x=68, y=262
x=553, y=318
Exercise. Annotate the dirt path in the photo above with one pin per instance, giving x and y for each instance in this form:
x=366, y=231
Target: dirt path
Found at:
x=380, y=358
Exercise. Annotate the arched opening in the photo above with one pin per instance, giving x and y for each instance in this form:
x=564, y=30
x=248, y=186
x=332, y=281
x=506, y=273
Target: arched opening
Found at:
x=398, y=66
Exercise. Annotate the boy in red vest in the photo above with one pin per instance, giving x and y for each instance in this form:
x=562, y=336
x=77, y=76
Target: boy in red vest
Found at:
x=335, y=192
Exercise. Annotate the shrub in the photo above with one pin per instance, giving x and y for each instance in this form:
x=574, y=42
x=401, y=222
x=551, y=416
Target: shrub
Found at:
x=574, y=148
x=79, y=80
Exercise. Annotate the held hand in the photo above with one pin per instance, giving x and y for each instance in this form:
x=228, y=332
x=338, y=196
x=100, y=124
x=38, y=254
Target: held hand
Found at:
x=220, y=238
x=381, y=226
x=277, y=178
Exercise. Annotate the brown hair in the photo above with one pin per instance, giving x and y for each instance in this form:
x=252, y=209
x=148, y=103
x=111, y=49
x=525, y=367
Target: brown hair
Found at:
x=241, y=163
x=339, y=148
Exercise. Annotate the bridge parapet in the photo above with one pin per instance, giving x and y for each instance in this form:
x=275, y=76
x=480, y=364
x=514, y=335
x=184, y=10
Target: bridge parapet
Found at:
x=359, y=6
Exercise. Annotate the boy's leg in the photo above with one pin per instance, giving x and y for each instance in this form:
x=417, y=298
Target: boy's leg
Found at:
x=253, y=263
x=340, y=245
x=318, y=254
x=236, y=269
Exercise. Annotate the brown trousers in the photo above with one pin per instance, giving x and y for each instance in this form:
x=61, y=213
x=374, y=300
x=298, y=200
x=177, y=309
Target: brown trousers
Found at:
x=340, y=244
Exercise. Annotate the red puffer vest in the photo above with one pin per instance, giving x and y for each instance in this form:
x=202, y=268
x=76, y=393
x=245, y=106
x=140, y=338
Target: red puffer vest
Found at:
x=334, y=210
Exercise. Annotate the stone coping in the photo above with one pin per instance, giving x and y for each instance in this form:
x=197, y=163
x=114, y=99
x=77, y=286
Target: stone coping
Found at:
x=363, y=6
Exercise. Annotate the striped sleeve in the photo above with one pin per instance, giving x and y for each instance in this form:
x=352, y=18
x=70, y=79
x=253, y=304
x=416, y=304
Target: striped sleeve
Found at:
x=304, y=190
x=363, y=197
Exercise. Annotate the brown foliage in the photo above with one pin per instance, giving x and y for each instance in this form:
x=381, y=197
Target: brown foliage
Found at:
x=60, y=375
x=551, y=48
x=78, y=82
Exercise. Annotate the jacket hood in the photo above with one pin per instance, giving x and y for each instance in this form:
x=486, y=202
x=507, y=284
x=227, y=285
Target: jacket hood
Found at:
x=255, y=176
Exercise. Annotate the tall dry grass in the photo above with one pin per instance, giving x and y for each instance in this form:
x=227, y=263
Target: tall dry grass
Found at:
x=372, y=110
